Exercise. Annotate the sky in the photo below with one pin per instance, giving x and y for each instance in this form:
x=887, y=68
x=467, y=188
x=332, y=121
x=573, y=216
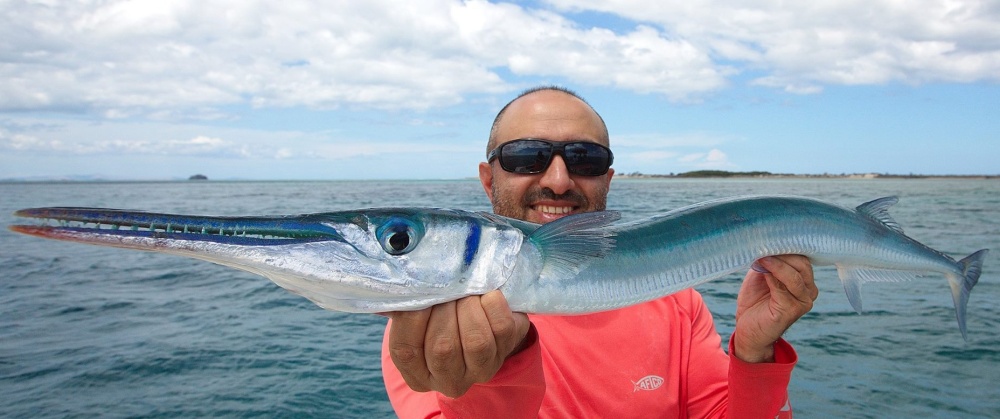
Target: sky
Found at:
x=158, y=90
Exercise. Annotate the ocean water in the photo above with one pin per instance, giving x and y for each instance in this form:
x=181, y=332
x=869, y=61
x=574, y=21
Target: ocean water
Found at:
x=90, y=331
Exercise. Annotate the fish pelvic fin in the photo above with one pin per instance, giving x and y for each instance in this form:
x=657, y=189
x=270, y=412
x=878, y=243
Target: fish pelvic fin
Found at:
x=570, y=243
x=961, y=287
x=879, y=211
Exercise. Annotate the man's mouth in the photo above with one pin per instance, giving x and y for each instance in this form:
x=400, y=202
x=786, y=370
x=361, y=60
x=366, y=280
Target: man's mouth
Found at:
x=553, y=210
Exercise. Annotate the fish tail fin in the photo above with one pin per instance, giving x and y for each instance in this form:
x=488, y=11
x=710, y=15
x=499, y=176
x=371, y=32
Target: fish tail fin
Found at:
x=961, y=287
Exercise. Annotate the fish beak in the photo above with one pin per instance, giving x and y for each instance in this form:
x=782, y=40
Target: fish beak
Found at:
x=154, y=232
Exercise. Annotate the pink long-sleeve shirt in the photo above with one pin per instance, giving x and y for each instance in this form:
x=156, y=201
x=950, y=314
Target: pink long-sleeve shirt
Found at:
x=658, y=359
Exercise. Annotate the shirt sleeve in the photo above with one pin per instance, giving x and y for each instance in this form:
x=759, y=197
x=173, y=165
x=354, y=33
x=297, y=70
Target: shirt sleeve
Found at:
x=723, y=386
x=761, y=390
x=516, y=391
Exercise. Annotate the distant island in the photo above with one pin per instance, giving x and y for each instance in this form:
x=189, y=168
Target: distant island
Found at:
x=198, y=177
x=762, y=174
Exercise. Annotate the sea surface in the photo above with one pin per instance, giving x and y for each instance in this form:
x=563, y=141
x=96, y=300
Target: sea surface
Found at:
x=89, y=331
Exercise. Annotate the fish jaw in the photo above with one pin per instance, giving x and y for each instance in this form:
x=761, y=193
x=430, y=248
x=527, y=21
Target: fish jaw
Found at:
x=111, y=227
x=338, y=260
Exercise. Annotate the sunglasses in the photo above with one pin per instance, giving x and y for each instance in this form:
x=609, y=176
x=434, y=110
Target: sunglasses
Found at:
x=533, y=155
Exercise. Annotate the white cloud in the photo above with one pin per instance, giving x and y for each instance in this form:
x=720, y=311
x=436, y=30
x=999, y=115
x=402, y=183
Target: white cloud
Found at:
x=40, y=137
x=664, y=161
x=197, y=146
x=660, y=141
x=657, y=154
x=804, y=45
x=128, y=58
x=536, y=43
x=653, y=156
x=191, y=59
x=712, y=159
x=716, y=157
x=179, y=141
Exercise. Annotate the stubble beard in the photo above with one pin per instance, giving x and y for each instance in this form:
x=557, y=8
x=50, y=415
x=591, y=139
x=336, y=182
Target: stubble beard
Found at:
x=506, y=205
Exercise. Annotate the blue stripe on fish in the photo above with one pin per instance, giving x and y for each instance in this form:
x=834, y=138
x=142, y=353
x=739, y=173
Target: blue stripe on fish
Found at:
x=472, y=242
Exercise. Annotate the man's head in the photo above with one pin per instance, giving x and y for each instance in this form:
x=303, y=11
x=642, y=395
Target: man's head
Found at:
x=556, y=115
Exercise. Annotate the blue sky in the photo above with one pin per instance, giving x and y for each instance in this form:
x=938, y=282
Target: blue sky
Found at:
x=407, y=90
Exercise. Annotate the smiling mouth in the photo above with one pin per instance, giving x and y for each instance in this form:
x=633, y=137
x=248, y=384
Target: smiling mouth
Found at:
x=549, y=209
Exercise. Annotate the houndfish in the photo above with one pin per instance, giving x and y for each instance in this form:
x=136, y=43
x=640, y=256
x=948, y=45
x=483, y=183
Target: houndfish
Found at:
x=390, y=259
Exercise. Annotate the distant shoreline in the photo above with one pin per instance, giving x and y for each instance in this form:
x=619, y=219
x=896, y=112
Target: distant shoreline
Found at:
x=721, y=174
x=703, y=174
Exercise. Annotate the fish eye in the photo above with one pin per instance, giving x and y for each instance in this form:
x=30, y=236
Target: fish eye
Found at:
x=398, y=236
x=398, y=241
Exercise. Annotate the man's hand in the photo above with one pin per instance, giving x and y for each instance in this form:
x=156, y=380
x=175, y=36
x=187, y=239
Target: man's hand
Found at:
x=451, y=346
x=769, y=302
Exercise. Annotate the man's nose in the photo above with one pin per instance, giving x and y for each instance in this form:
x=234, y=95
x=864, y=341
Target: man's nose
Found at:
x=556, y=177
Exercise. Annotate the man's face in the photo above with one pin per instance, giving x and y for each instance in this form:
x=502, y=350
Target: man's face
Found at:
x=554, y=193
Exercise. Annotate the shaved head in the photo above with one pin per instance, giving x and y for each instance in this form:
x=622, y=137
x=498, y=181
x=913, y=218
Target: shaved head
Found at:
x=494, y=141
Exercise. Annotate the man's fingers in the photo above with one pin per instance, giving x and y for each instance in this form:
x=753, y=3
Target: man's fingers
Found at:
x=479, y=347
x=442, y=344
x=794, y=276
x=406, y=347
x=453, y=345
x=804, y=267
x=509, y=328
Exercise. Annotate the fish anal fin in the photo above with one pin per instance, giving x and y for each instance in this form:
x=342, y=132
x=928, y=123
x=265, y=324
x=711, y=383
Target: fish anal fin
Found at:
x=884, y=275
x=853, y=276
x=879, y=211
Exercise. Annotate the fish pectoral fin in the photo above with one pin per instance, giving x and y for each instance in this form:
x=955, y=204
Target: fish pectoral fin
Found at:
x=570, y=243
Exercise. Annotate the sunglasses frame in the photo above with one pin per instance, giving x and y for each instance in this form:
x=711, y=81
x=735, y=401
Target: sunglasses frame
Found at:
x=555, y=147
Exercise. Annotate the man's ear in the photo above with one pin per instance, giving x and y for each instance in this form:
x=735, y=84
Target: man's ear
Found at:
x=486, y=178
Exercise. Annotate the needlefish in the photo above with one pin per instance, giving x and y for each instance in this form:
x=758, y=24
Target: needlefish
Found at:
x=390, y=259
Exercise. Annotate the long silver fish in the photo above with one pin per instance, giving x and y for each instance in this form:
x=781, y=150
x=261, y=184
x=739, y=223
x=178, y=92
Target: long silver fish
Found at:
x=380, y=260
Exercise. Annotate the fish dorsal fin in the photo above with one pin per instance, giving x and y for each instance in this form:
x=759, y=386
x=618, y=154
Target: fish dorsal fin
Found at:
x=879, y=211
x=570, y=243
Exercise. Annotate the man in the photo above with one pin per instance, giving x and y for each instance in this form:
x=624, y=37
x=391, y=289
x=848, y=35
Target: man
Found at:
x=475, y=358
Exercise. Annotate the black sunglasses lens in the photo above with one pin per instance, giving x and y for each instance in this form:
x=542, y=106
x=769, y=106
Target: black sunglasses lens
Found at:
x=533, y=156
x=587, y=159
x=525, y=156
